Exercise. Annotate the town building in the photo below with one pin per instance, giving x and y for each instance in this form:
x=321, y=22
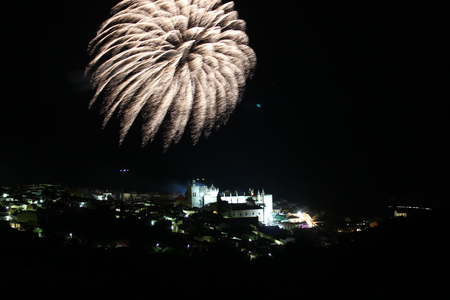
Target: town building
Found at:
x=200, y=195
x=246, y=211
x=400, y=213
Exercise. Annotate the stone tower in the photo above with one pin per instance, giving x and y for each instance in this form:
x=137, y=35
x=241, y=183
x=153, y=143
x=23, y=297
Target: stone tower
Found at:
x=198, y=194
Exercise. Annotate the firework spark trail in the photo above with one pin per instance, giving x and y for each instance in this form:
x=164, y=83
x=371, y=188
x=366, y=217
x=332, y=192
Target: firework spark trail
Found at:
x=181, y=61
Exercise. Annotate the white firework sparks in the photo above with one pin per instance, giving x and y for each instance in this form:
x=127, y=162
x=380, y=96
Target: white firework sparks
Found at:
x=180, y=61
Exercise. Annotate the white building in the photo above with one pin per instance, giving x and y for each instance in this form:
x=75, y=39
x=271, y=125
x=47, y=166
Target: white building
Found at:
x=246, y=211
x=199, y=195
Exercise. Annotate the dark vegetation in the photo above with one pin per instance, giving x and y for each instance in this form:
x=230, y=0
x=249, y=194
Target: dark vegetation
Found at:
x=403, y=257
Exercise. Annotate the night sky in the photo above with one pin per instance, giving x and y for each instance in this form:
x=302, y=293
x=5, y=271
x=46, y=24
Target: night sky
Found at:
x=348, y=106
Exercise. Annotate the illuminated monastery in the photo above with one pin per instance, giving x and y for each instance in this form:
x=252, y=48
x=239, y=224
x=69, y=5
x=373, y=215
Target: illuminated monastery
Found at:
x=246, y=205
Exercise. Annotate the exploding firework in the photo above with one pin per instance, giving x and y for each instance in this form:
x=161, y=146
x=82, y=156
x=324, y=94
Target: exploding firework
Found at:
x=172, y=61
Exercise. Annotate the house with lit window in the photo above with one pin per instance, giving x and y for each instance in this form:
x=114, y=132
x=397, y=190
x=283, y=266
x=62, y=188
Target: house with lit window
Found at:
x=4, y=216
x=400, y=213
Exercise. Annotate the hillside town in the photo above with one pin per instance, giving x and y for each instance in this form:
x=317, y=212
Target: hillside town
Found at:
x=252, y=223
x=96, y=236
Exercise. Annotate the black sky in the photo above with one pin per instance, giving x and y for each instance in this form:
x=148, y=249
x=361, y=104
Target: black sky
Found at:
x=348, y=104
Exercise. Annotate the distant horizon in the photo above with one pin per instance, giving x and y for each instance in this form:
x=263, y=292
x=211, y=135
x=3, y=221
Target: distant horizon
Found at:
x=360, y=209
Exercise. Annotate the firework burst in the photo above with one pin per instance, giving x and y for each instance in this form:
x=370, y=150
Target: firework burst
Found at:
x=172, y=61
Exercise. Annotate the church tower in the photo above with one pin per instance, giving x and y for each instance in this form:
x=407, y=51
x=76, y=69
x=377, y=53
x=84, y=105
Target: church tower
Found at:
x=198, y=194
x=194, y=194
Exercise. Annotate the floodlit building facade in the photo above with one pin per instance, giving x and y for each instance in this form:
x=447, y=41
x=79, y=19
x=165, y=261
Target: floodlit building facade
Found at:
x=199, y=195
